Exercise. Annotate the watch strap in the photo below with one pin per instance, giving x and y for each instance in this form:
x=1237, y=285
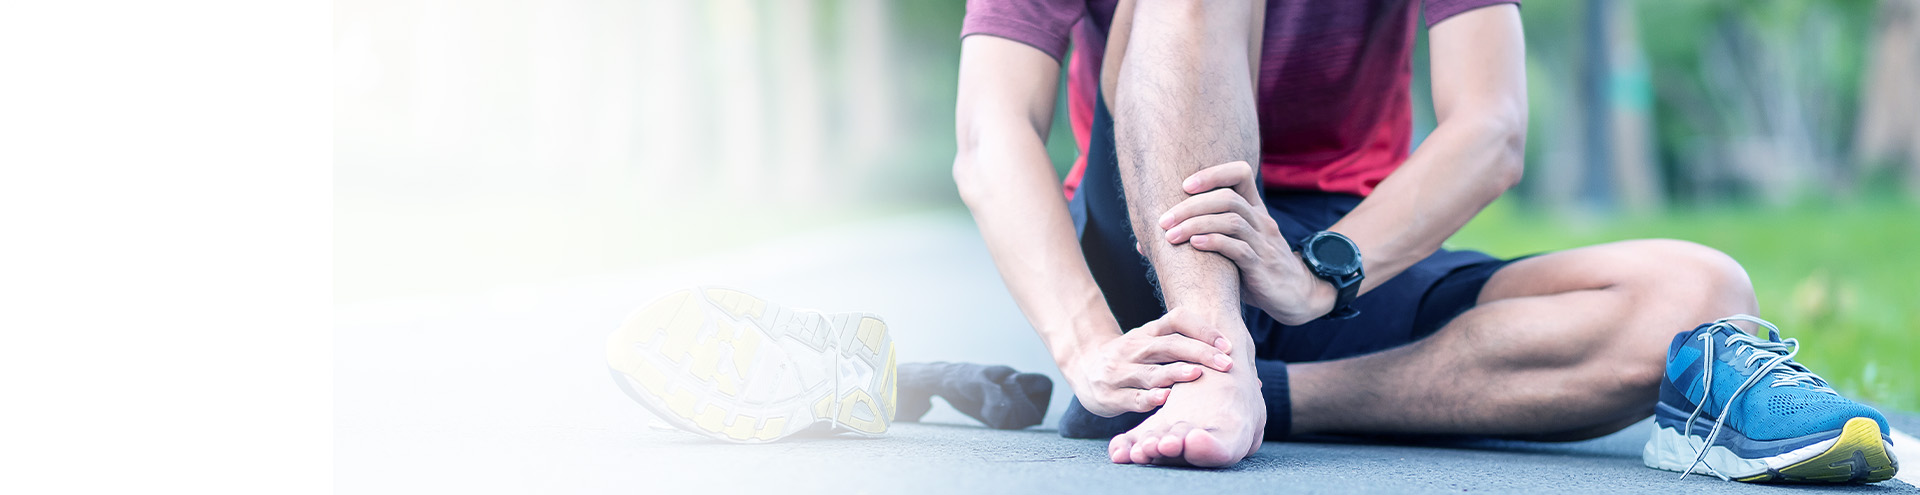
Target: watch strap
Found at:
x=1343, y=301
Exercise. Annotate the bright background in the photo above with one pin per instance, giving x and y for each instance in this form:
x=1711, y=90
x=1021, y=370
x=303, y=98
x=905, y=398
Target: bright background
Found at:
x=165, y=258
x=479, y=145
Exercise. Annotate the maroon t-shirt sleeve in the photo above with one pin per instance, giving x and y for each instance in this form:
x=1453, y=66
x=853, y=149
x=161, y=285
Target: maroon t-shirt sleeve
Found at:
x=1440, y=10
x=1043, y=24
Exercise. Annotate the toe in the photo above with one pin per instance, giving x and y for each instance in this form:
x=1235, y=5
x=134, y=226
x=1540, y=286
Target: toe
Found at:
x=1170, y=446
x=1119, y=449
x=1174, y=442
x=1145, y=450
x=1205, y=450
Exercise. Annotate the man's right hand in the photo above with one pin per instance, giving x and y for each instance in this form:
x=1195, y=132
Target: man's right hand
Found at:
x=1133, y=372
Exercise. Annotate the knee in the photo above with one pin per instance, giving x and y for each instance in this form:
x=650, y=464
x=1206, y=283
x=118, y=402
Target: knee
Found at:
x=1678, y=285
x=1693, y=275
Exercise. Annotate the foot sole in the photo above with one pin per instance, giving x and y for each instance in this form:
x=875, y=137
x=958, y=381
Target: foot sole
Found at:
x=734, y=367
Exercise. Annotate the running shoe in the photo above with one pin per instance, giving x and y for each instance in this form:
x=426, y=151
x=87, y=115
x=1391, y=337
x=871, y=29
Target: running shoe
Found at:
x=734, y=367
x=1738, y=407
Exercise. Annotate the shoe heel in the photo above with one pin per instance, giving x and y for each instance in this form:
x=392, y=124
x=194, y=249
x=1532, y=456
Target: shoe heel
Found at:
x=868, y=400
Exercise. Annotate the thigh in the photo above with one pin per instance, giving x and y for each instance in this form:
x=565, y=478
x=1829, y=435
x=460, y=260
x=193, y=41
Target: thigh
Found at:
x=1660, y=287
x=1586, y=268
x=1637, y=265
x=1413, y=305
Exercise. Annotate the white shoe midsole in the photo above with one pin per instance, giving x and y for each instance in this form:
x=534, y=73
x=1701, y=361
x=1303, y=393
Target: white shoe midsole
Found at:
x=1673, y=451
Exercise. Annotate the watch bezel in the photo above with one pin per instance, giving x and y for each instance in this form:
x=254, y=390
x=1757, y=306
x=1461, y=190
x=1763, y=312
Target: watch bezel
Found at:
x=1319, y=266
x=1346, y=282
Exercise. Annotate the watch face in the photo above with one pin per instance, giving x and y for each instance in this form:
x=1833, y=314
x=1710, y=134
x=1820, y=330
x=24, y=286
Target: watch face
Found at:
x=1336, y=255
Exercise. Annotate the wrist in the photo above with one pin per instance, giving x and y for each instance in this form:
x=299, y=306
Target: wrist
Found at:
x=1313, y=299
x=1082, y=338
x=1321, y=297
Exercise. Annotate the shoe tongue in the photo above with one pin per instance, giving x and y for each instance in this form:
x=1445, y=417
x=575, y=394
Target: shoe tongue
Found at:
x=1728, y=330
x=1722, y=331
x=1725, y=331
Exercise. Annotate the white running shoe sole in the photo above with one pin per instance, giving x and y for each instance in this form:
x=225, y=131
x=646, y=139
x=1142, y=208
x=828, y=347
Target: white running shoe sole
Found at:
x=1857, y=455
x=725, y=364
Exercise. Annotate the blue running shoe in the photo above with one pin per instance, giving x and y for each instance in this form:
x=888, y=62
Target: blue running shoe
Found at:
x=1738, y=407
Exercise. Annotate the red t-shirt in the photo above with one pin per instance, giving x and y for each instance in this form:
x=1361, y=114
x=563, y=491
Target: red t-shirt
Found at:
x=1335, y=113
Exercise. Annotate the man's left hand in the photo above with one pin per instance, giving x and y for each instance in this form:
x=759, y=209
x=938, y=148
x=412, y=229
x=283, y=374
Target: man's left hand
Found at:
x=1225, y=215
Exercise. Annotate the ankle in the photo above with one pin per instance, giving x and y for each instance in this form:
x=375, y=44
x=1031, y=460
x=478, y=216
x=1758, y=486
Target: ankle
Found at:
x=1227, y=323
x=1277, y=391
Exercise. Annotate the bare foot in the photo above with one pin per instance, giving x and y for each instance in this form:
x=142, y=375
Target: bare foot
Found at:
x=1212, y=422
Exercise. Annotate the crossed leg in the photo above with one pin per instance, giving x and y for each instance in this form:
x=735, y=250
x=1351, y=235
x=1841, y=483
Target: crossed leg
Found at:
x=1563, y=346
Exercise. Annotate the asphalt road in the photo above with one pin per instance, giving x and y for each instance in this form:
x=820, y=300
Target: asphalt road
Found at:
x=506, y=391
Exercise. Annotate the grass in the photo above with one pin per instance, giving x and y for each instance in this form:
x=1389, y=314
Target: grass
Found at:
x=1844, y=279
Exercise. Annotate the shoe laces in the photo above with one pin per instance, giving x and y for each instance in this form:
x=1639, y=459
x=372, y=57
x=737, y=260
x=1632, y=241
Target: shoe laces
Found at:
x=1775, y=358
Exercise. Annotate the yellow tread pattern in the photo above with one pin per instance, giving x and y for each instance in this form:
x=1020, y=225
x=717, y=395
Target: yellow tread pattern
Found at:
x=737, y=304
x=774, y=427
x=871, y=331
x=823, y=408
x=859, y=400
x=682, y=330
x=742, y=427
x=1859, y=442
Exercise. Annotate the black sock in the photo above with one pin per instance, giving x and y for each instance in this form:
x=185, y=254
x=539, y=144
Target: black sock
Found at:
x=995, y=395
x=1273, y=388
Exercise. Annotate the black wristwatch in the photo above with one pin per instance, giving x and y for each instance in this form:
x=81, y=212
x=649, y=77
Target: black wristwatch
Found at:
x=1335, y=259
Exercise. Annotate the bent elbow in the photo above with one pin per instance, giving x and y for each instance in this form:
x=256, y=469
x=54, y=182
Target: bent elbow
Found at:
x=1512, y=165
x=1510, y=141
x=966, y=173
x=966, y=176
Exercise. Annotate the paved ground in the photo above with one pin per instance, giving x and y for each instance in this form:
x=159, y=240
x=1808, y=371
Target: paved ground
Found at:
x=506, y=391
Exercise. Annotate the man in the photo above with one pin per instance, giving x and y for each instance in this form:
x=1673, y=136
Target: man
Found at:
x=1220, y=137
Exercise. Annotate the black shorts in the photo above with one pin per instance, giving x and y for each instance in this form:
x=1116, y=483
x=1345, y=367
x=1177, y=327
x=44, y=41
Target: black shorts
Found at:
x=1410, y=306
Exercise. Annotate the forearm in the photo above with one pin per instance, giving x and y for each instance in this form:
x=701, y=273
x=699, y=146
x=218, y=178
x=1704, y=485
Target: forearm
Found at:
x=1023, y=218
x=1002, y=114
x=1187, y=104
x=1461, y=168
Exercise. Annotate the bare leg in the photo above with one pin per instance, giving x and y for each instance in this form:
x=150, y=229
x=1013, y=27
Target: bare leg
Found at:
x=1563, y=346
x=1184, y=101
